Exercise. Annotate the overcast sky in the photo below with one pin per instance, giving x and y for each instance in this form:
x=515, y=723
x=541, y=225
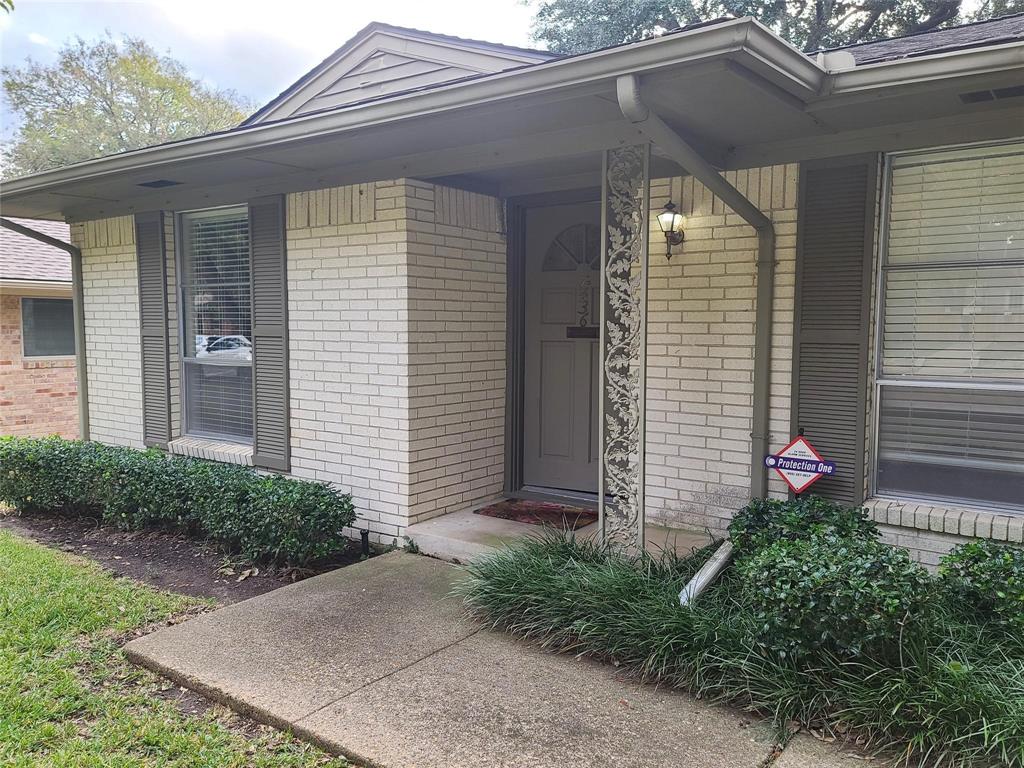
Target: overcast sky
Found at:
x=256, y=47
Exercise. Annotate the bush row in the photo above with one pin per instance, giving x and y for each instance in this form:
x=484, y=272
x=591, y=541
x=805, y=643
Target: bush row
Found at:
x=265, y=518
x=818, y=622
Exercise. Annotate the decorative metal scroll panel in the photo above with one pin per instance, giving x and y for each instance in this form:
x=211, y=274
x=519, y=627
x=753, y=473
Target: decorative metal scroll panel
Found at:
x=625, y=188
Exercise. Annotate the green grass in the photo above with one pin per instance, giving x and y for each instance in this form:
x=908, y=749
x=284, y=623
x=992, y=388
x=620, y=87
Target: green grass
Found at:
x=954, y=696
x=68, y=697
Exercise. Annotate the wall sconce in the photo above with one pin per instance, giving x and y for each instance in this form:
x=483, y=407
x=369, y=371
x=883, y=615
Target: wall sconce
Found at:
x=671, y=223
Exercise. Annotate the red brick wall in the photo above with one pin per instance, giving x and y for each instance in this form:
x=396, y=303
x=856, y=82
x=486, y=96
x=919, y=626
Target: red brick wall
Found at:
x=38, y=396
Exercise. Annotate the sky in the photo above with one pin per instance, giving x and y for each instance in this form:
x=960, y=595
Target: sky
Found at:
x=256, y=47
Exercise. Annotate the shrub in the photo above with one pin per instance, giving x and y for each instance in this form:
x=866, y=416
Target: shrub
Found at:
x=952, y=697
x=986, y=578
x=262, y=517
x=840, y=595
x=765, y=521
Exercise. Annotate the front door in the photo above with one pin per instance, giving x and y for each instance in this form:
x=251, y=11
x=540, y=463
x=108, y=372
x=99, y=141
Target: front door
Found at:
x=563, y=255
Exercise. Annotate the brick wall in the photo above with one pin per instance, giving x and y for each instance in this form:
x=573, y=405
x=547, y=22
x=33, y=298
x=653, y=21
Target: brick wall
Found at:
x=456, y=269
x=396, y=318
x=349, y=346
x=114, y=366
x=700, y=355
x=38, y=396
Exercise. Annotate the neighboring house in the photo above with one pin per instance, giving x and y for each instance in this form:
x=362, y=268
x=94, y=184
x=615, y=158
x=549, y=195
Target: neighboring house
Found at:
x=432, y=273
x=38, y=392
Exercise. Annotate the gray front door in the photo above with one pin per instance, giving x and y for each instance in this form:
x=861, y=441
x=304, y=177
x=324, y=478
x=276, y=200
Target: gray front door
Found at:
x=563, y=254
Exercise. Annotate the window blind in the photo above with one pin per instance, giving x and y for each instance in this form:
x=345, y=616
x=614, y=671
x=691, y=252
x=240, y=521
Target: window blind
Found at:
x=951, y=418
x=217, y=323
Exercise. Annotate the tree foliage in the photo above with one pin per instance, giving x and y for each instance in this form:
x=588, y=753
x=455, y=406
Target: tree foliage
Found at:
x=104, y=97
x=576, y=26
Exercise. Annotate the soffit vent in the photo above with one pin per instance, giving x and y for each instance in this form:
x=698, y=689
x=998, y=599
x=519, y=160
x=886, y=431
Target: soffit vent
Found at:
x=159, y=183
x=995, y=94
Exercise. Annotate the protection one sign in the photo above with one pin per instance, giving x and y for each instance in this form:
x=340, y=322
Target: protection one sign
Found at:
x=799, y=465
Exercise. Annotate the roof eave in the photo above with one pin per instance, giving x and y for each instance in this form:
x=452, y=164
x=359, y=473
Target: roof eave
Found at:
x=732, y=37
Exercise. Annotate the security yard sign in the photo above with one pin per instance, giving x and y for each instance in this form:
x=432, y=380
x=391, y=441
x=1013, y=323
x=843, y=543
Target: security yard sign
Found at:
x=799, y=465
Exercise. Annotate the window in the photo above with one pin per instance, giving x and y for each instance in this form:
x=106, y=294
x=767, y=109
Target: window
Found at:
x=47, y=327
x=951, y=358
x=216, y=323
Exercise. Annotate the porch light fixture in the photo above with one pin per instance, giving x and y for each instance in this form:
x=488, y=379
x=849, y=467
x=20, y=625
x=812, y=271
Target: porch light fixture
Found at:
x=671, y=223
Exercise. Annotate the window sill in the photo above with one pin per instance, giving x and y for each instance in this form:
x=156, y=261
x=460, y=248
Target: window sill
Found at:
x=213, y=450
x=955, y=521
x=57, y=361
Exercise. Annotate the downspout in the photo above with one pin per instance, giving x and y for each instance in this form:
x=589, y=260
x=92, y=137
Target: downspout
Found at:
x=78, y=301
x=659, y=133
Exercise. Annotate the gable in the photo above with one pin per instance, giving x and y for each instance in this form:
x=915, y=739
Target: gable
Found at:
x=383, y=60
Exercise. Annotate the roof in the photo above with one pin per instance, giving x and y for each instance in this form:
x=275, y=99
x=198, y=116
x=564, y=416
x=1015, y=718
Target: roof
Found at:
x=761, y=101
x=1003, y=29
x=515, y=56
x=22, y=258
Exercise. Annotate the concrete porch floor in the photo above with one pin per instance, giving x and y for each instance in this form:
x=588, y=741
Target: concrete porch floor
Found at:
x=375, y=661
x=461, y=536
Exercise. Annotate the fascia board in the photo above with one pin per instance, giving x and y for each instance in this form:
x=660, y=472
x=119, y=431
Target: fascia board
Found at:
x=889, y=74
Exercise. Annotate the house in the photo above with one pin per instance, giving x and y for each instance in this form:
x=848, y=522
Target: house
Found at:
x=38, y=391
x=433, y=272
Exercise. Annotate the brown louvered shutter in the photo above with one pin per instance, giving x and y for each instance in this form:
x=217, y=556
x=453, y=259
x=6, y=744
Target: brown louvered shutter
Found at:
x=156, y=375
x=270, y=334
x=835, y=237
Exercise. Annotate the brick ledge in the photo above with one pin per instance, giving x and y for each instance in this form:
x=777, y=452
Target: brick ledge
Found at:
x=213, y=450
x=958, y=521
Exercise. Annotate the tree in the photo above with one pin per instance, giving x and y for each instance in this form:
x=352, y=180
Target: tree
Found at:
x=989, y=9
x=576, y=26
x=104, y=97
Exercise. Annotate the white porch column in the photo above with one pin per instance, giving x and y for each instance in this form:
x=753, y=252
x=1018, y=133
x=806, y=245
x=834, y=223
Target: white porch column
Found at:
x=625, y=190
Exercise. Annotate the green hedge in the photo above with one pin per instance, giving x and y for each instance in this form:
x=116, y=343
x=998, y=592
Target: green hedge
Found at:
x=260, y=517
x=986, y=579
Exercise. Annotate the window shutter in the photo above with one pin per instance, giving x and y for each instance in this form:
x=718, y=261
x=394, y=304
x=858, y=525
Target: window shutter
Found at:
x=156, y=376
x=835, y=240
x=271, y=448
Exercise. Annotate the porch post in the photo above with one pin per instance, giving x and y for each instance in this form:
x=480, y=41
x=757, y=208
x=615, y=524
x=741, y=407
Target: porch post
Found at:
x=625, y=186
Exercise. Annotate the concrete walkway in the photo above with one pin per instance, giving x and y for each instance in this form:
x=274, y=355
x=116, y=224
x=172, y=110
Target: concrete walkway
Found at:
x=376, y=662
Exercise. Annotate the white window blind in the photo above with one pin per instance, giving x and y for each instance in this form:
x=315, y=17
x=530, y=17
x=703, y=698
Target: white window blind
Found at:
x=217, y=323
x=951, y=374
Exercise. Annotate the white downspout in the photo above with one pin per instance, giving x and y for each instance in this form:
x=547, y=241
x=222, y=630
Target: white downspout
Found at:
x=649, y=124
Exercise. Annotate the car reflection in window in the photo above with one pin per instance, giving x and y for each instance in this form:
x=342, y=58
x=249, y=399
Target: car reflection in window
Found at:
x=224, y=347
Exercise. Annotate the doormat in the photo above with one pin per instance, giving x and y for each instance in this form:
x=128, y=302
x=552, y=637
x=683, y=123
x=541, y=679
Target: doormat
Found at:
x=561, y=516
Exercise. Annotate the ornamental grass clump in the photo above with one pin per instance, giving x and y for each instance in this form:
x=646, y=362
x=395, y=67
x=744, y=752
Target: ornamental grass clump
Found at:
x=262, y=517
x=820, y=624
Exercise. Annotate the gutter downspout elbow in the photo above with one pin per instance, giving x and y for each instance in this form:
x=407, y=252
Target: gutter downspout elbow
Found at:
x=78, y=308
x=655, y=130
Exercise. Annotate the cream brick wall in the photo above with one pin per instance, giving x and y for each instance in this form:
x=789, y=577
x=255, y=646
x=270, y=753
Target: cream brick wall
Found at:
x=456, y=263
x=700, y=355
x=348, y=310
x=114, y=367
x=396, y=319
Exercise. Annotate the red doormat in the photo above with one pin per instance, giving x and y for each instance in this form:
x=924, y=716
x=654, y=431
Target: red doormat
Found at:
x=540, y=513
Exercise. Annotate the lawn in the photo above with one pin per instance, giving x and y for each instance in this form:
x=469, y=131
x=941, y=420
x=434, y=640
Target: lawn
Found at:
x=68, y=697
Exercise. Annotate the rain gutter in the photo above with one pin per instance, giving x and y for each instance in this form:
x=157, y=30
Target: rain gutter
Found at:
x=78, y=303
x=658, y=132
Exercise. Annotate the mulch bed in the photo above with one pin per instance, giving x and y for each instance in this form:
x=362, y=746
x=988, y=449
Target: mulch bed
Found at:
x=168, y=561
x=560, y=516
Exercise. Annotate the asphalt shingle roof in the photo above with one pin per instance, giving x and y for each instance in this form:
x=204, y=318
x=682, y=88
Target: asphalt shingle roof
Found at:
x=22, y=258
x=1004, y=29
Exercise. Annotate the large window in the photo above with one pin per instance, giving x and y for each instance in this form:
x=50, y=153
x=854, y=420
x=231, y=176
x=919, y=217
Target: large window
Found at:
x=47, y=327
x=951, y=361
x=216, y=323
